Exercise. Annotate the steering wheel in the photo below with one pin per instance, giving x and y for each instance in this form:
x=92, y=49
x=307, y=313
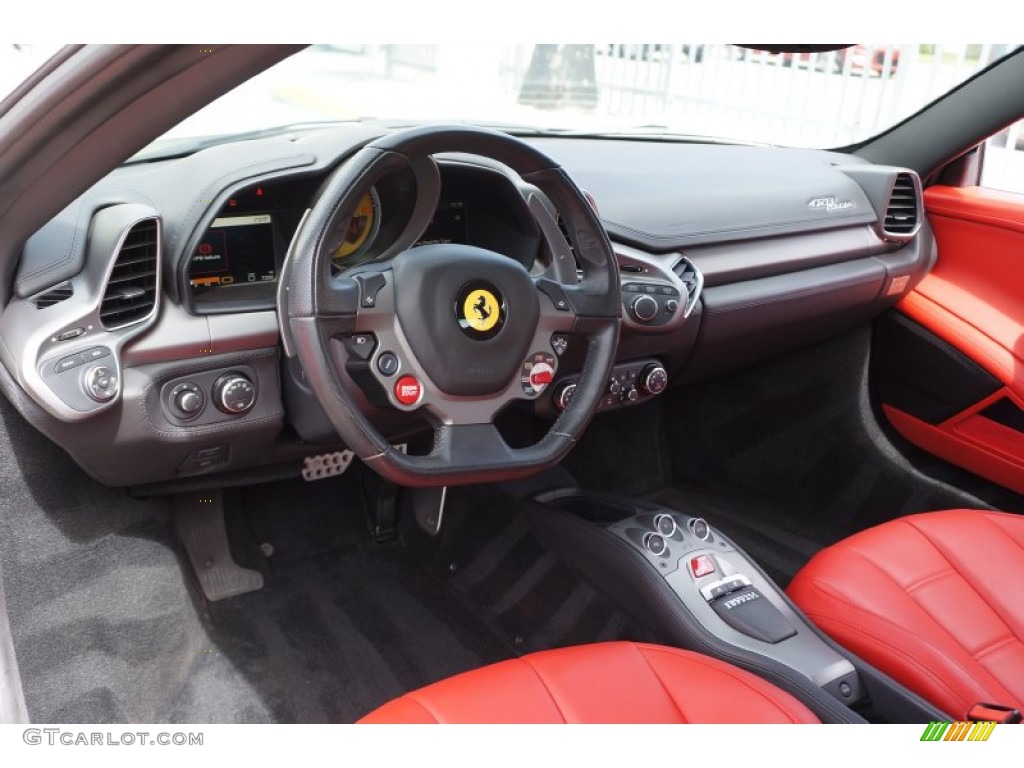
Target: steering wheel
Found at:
x=455, y=330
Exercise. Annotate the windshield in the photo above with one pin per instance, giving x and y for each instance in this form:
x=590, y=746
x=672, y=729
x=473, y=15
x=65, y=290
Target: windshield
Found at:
x=691, y=89
x=19, y=60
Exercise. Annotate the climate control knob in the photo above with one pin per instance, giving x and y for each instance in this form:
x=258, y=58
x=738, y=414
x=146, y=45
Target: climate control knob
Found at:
x=234, y=393
x=644, y=309
x=653, y=380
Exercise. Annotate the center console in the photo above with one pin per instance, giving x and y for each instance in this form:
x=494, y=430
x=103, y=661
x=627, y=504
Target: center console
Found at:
x=694, y=587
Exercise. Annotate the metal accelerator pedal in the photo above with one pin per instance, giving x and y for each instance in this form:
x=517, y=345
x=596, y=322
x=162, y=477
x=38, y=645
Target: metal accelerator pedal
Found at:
x=199, y=523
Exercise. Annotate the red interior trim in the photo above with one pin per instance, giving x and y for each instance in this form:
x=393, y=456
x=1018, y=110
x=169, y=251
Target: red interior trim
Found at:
x=975, y=443
x=974, y=300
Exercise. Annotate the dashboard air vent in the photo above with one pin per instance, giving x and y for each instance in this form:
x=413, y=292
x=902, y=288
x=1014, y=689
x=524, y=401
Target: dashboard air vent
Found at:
x=693, y=279
x=686, y=272
x=901, y=214
x=55, y=295
x=130, y=293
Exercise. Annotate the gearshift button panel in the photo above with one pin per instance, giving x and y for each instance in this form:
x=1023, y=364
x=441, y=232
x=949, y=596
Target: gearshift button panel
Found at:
x=747, y=611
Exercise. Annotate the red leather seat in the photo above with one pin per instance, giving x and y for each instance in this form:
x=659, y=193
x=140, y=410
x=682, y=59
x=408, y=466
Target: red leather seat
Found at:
x=935, y=600
x=601, y=683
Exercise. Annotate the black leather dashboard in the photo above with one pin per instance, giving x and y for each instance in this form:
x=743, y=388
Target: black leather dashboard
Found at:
x=775, y=247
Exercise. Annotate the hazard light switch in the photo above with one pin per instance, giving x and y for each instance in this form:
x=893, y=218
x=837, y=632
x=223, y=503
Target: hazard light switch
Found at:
x=702, y=566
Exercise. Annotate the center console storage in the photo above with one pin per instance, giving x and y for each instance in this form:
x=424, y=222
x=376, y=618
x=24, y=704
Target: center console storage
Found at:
x=694, y=587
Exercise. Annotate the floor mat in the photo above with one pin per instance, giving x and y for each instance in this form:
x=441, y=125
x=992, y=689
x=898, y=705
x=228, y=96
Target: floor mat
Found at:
x=534, y=600
x=108, y=626
x=331, y=638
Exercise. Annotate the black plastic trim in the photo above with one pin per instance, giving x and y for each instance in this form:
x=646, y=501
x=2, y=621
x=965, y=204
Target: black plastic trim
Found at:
x=923, y=376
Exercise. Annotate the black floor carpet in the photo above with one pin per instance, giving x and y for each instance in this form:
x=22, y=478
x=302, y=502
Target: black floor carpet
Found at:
x=109, y=627
x=533, y=599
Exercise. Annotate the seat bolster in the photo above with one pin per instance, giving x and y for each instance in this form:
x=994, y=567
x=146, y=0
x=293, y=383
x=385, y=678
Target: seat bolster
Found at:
x=618, y=682
x=914, y=598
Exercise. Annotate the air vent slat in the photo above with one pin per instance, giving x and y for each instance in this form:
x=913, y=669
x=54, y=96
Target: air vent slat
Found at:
x=130, y=260
x=55, y=295
x=130, y=292
x=902, y=211
x=131, y=278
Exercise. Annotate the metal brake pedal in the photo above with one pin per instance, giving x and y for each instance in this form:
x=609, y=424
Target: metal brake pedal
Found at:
x=199, y=523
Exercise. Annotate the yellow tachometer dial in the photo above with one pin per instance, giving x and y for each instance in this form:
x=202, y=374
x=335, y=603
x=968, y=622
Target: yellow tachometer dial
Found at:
x=361, y=229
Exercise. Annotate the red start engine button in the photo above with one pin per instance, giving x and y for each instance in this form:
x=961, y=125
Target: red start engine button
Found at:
x=408, y=390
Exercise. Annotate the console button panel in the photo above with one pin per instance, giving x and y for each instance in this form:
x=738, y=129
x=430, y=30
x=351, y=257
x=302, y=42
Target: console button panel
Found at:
x=209, y=397
x=650, y=303
x=629, y=384
x=729, y=596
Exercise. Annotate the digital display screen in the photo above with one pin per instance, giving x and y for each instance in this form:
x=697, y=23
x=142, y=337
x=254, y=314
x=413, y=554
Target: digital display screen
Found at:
x=448, y=224
x=236, y=250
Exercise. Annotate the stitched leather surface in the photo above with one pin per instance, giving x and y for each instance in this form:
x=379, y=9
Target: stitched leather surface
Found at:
x=934, y=600
x=602, y=683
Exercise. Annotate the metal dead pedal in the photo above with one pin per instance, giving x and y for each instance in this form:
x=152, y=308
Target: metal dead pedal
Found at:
x=199, y=523
x=332, y=464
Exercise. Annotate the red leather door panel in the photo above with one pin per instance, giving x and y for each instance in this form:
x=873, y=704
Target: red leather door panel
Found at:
x=974, y=300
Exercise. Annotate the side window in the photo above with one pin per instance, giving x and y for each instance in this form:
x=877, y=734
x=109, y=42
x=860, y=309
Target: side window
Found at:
x=1004, y=160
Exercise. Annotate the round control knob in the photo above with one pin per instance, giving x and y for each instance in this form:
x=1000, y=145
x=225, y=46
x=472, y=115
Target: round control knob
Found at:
x=632, y=395
x=655, y=543
x=100, y=383
x=234, y=393
x=614, y=388
x=665, y=525
x=645, y=309
x=653, y=379
x=563, y=395
x=699, y=527
x=188, y=402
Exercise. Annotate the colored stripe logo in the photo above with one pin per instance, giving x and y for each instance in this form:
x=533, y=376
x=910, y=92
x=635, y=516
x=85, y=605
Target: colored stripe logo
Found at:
x=959, y=731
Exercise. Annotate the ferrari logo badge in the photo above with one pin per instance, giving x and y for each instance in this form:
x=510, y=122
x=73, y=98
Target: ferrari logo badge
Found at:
x=480, y=310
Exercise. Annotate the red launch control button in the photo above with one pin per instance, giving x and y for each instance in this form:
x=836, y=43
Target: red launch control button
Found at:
x=408, y=390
